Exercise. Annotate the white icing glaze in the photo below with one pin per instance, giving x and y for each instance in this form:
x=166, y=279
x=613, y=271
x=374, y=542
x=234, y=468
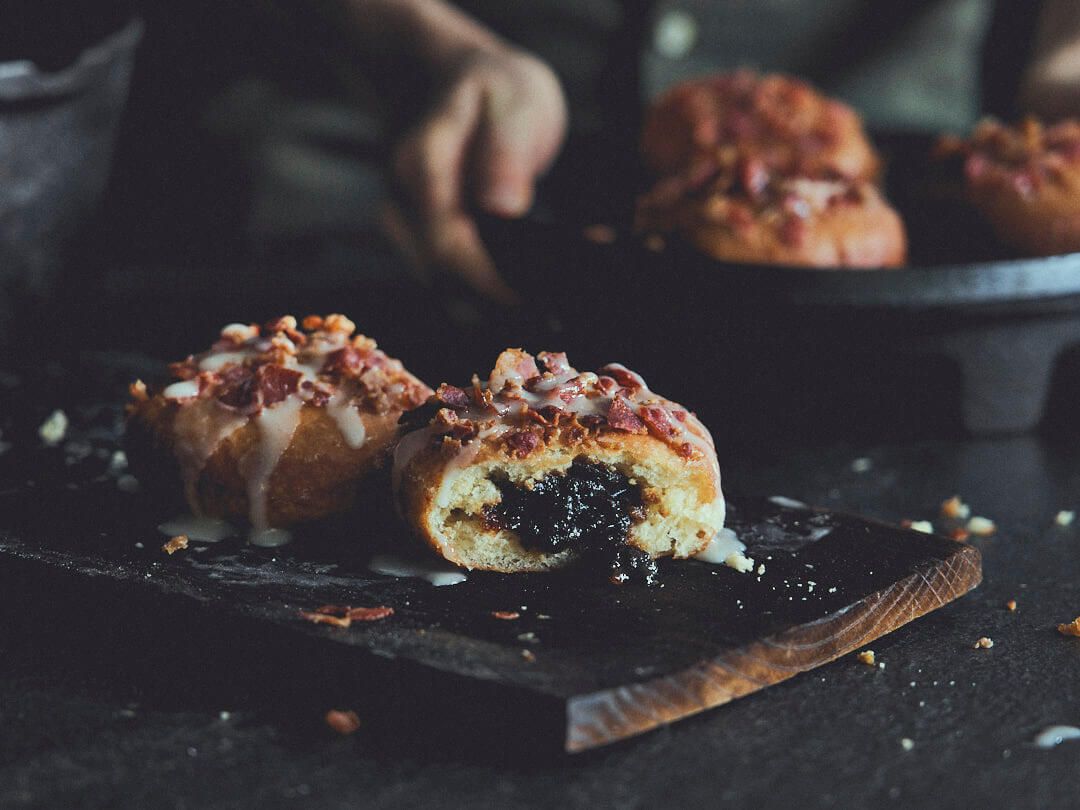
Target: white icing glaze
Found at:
x=580, y=393
x=1055, y=735
x=202, y=424
x=185, y=389
x=202, y=529
x=437, y=575
x=276, y=425
x=726, y=549
x=269, y=538
x=200, y=428
x=787, y=503
x=348, y=420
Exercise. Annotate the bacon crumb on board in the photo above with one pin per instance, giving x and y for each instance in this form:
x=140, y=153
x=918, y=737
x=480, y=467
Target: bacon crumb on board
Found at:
x=344, y=615
x=867, y=657
x=955, y=509
x=984, y=643
x=505, y=615
x=343, y=722
x=175, y=544
x=1010, y=605
x=1070, y=629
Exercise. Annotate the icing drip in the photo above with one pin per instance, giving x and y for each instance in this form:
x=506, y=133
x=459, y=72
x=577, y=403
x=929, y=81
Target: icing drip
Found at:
x=726, y=549
x=348, y=420
x=276, y=425
x=202, y=529
x=400, y=567
x=200, y=428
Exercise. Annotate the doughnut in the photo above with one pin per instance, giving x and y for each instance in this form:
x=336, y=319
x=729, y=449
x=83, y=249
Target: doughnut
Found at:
x=749, y=215
x=1025, y=181
x=779, y=120
x=276, y=426
x=541, y=465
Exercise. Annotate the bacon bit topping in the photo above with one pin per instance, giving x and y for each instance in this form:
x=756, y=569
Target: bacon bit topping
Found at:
x=138, y=391
x=1070, y=629
x=238, y=388
x=1011, y=606
x=513, y=366
x=276, y=383
x=505, y=615
x=186, y=369
x=959, y=535
x=523, y=442
x=955, y=509
x=622, y=417
x=343, y=615
x=452, y=396
x=348, y=362
x=370, y=614
x=659, y=422
x=343, y=722
x=175, y=544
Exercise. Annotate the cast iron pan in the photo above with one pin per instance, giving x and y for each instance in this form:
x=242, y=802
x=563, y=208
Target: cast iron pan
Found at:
x=989, y=324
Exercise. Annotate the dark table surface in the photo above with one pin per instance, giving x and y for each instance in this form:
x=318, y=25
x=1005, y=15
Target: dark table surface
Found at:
x=99, y=708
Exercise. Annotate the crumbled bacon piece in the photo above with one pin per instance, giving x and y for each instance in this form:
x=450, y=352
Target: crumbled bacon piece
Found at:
x=286, y=325
x=621, y=416
x=186, y=369
x=512, y=366
x=1070, y=629
x=555, y=363
x=505, y=615
x=175, y=544
x=523, y=442
x=138, y=391
x=348, y=361
x=343, y=722
x=277, y=382
x=370, y=614
x=315, y=617
x=238, y=388
x=624, y=377
x=452, y=396
x=659, y=421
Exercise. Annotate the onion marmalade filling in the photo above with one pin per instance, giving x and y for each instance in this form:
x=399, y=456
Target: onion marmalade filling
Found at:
x=590, y=507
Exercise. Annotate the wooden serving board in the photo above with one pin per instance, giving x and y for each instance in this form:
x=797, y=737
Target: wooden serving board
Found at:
x=584, y=663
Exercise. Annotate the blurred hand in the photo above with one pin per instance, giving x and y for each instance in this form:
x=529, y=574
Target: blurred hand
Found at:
x=495, y=128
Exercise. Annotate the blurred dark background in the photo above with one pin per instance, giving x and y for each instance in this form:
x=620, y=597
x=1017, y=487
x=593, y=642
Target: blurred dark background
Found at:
x=246, y=180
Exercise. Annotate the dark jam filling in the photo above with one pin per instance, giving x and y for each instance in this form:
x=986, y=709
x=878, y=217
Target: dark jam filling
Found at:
x=590, y=508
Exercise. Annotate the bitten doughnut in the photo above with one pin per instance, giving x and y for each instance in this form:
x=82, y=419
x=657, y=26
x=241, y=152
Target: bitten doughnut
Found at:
x=1025, y=180
x=748, y=215
x=779, y=120
x=541, y=465
x=277, y=425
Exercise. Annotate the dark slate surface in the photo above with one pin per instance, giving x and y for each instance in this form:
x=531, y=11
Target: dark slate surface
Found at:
x=106, y=703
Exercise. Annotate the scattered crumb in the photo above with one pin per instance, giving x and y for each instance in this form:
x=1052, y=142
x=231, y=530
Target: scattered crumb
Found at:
x=740, y=562
x=139, y=545
x=528, y=655
x=175, y=544
x=53, y=429
x=542, y=616
x=1064, y=518
x=924, y=526
x=955, y=509
x=1010, y=605
x=325, y=618
x=118, y=462
x=981, y=527
x=907, y=743
x=1070, y=629
x=530, y=637
x=343, y=722
x=127, y=483
x=600, y=234
x=761, y=570
x=861, y=465
x=960, y=535
x=984, y=643
x=223, y=716
x=881, y=665
x=866, y=657
x=505, y=615
x=370, y=614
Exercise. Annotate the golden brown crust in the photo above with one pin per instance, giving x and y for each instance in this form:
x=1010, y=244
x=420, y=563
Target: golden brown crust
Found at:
x=338, y=398
x=529, y=422
x=777, y=119
x=1025, y=180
